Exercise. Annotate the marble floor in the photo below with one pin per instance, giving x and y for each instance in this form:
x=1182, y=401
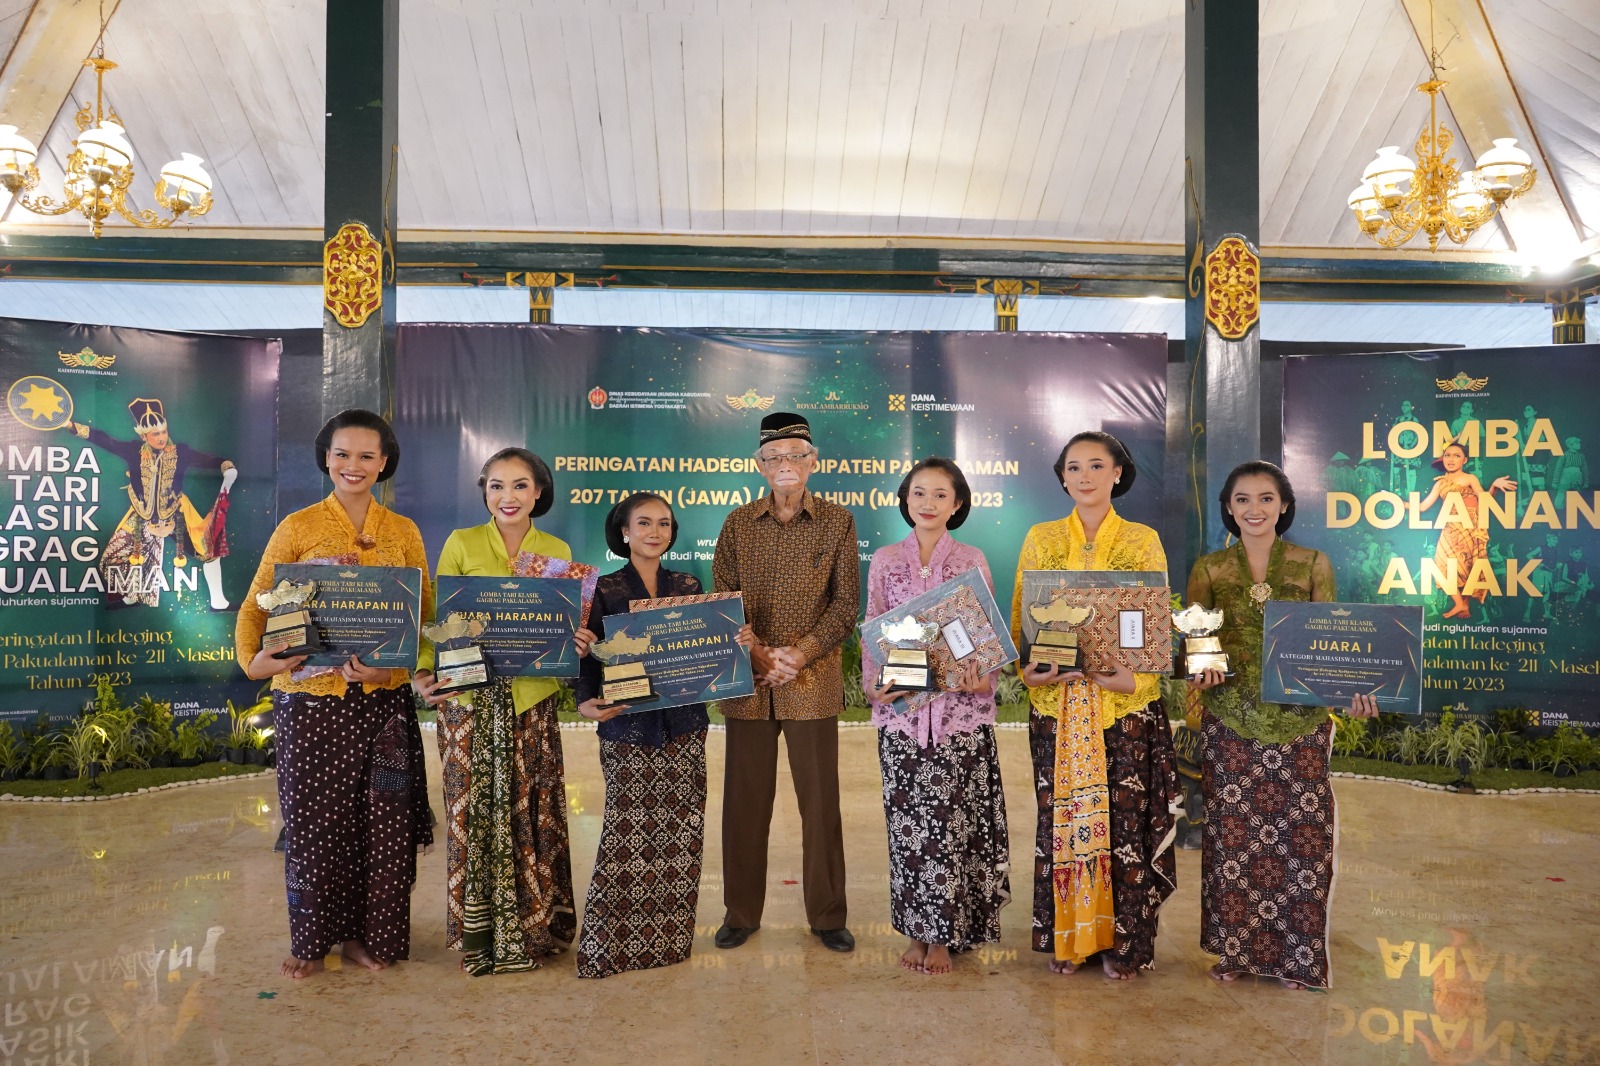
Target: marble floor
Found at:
x=148, y=930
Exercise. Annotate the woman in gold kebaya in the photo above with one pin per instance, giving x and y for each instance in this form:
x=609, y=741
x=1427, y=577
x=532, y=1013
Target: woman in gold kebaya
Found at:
x=1103, y=758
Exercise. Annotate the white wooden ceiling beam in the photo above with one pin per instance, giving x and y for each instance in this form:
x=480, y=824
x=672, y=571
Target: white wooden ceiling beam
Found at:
x=46, y=61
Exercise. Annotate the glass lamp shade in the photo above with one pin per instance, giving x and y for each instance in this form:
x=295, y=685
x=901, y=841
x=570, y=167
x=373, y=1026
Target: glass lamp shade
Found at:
x=1389, y=170
x=1504, y=165
x=105, y=148
x=1467, y=198
x=187, y=179
x=17, y=153
x=1364, y=202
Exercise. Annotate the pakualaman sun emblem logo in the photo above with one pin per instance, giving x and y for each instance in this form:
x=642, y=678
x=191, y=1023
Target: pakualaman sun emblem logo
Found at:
x=39, y=402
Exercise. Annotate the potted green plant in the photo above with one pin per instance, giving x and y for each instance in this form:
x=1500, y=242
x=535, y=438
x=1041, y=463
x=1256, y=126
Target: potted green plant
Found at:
x=13, y=753
x=121, y=729
x=1009, y=689
x=50, y=757
x=255, y=753
x=1568, y=749
x=1510, y=750
x=1380, y=743
x=1409, y=745
x=238, y=741
x=190, y=740
x=86, y=746
x=155, y=734
x=1348, y=735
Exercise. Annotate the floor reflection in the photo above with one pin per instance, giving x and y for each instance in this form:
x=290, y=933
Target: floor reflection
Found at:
x=148, y=931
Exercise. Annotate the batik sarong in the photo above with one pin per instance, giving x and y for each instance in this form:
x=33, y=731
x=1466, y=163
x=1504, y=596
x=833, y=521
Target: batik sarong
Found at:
x=640, y=910
x=949, y=856
x=509, y=899
x=354, y=798
x=1267, y=858
x=1140, y=869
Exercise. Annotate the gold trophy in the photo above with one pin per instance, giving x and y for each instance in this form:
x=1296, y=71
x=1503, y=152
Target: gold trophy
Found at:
x=1056, y=641
x=461, y=664
x=624, y=679
x=290, y=630
x=1202, y=650
x=906, y=666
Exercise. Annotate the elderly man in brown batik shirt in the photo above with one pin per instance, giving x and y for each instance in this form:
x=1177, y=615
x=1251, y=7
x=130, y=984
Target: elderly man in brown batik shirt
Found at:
x=793, y=556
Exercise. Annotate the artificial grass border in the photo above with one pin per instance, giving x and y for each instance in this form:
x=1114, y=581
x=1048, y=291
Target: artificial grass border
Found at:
x=1495, y=780
x=124, y=782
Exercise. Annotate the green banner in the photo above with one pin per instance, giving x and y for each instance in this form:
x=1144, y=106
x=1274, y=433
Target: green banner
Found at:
x=1498, y=545
x=139, y=484
x=677, y=412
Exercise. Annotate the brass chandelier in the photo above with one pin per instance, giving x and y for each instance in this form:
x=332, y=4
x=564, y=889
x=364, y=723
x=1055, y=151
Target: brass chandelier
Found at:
x=1398, y=198
x=100, y=170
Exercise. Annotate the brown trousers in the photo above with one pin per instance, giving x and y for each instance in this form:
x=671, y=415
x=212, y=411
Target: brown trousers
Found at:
x=749, y=783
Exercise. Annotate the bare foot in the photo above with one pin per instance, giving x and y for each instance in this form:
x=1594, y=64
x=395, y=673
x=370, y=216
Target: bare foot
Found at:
x=914, y=956
x=1293, y=986
x=1225, y=976
x=938, y=959
x=299, y=968
x=1062, y=966
x=357, y=952
x=1117, y=971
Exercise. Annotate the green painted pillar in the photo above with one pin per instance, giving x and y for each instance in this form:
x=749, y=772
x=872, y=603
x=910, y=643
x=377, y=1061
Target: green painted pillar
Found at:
x=358, y=200
x=1222, y=347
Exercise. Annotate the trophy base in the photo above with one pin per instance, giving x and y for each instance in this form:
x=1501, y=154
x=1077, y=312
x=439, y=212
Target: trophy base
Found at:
x=302, y=644
x=1196, y=663
x=627, y=683
x=1060, y=657
x=460, y=669
x=1055, y=647
x=633, y=692
x=461, y=679
x=906, y=678
x=291, y=633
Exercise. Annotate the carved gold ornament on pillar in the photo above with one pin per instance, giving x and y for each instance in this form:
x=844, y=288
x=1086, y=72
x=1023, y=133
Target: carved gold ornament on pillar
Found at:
x=1233, y=287
x=352, y=275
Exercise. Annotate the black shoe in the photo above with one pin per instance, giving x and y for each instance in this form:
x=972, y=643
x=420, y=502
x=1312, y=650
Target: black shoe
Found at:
x=731, y=936
x=836, y=939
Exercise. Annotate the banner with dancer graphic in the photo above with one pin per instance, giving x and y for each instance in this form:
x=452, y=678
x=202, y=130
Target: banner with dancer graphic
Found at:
x=138, y=491
x=676, y=411
x=1459, y=480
